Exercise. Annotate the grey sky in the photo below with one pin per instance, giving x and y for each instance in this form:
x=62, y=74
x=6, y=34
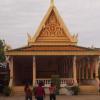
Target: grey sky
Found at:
x=17, y=17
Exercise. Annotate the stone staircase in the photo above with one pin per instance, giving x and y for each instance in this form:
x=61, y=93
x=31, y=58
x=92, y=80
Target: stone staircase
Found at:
x=84, y=89
x=18, y=90
x=88, y=89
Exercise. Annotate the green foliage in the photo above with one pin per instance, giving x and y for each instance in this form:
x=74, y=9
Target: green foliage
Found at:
x=2, y=56
x=7, y=91
x=74, y=89
x=6, y=79
x=56, y=80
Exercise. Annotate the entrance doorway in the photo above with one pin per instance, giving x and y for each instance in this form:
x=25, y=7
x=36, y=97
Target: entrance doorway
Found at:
x=23, y=70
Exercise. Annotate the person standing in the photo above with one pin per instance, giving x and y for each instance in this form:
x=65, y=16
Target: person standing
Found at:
x=28, y=92
x=52, y=90
x=39, y=91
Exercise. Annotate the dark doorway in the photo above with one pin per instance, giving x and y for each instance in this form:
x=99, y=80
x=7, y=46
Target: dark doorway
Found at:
x=23, y=70
x=46, y=66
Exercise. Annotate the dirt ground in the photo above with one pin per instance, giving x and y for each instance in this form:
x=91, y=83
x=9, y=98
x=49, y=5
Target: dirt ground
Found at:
x=61, y=97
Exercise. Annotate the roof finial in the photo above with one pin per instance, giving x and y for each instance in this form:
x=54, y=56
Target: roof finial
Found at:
x=52, y=2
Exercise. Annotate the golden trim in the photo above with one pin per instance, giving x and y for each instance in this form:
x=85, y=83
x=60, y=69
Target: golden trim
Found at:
x=13, y=53
x=52, y=2
x=47, y=43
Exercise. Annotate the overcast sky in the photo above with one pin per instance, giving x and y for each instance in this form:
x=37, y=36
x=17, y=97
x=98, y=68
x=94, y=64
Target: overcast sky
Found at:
x=17, y=17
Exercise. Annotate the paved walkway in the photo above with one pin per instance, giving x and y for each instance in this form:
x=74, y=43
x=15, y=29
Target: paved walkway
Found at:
x=62, y=97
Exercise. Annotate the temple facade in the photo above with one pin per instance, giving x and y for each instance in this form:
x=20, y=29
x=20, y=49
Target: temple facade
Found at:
x=54, y=51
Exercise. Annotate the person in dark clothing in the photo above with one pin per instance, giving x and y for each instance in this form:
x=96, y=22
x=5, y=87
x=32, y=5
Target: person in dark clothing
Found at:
x=28, y=92
x=39, y=91
x=52, y=90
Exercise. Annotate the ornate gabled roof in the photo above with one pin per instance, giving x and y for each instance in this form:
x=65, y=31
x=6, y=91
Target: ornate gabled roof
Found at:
x=53, y=50
x=52, y=38
x=52, y=30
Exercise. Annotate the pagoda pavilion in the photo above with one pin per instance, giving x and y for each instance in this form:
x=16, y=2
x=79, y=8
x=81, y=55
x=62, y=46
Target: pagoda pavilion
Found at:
x=54, y=51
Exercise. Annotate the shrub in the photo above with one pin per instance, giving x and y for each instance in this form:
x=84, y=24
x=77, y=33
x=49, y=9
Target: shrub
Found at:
x=7, y=91
x=6, y=80
x=74, y=89
x=56, y=80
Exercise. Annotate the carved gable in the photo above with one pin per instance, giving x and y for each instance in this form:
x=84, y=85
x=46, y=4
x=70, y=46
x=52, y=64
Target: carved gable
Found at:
x=52, y=31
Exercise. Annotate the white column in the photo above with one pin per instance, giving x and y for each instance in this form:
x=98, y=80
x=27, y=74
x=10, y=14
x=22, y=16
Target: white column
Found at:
x=11, y=71
x=79, y=71
x=34, y=70
x=96, y=71
x=74, y=70
x=96, y=67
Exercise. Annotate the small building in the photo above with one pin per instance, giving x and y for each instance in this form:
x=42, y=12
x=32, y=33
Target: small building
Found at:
x=54, y=51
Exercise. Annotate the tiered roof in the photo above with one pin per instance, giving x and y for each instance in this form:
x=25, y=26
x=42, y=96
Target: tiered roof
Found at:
x=52, y=38
x=52, y=30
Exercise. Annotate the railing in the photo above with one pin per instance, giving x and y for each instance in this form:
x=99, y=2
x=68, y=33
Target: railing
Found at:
x=46, y=81
x=67, y=81
x=64, y=81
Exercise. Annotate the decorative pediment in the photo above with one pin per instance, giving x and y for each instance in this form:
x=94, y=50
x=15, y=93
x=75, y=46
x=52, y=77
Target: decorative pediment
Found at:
x=52, y=30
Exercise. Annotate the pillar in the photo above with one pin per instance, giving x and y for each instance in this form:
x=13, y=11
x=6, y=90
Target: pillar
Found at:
x=11, y=71
x=96, y=67
x=74, y=70
x=34, y=70
x=79, y=71
x=96, y=71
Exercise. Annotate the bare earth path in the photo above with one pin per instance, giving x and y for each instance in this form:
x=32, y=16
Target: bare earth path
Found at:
x=62, y=97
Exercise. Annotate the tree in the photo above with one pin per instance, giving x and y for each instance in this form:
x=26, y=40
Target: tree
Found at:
x=2, y=46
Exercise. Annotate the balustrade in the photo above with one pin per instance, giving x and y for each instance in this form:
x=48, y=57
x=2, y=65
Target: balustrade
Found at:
x=64, y=82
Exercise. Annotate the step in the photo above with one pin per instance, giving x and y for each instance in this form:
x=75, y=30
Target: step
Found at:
x=88, y=89
x=18, y=90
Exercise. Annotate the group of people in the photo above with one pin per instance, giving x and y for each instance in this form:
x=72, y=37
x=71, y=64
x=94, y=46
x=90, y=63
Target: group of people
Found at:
x=39, y=92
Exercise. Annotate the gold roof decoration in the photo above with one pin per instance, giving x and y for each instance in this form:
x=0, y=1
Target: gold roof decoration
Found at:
x=29, y=38
x=52, y=2
x=52, y=30
x=75, y=36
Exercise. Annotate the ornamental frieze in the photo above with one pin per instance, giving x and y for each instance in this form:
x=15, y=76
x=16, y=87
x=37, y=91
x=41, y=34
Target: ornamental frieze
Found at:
x=52, y=28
